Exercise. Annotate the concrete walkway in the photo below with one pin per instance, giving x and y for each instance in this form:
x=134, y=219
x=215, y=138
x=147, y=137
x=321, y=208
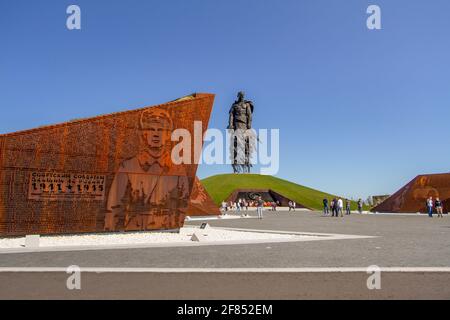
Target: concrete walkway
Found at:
x=395, y=242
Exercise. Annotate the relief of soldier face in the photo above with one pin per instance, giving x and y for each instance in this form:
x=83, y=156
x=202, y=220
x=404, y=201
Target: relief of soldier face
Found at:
x=156, y=137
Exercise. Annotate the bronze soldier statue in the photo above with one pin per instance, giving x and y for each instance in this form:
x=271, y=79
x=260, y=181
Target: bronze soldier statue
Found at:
x=240, y=120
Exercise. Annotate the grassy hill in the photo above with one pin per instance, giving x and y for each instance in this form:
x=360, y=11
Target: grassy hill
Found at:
x=221, y=186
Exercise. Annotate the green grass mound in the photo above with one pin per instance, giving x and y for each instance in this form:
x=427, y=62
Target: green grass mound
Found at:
x=221, y=186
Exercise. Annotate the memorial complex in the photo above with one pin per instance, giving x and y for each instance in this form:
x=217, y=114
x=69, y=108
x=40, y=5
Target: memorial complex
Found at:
x=413, y=196
x=108, y=173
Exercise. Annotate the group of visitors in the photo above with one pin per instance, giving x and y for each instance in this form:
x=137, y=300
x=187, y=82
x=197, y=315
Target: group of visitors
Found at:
x=243, y=204
x=333, y=208
x=239, y=205
x=436, y=204
x=336, y=207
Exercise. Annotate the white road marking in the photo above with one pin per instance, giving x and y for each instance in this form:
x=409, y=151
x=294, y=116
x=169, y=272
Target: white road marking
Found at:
x=227, y=270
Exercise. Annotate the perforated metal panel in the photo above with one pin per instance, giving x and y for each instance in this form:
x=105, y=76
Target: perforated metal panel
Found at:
x=106, y=173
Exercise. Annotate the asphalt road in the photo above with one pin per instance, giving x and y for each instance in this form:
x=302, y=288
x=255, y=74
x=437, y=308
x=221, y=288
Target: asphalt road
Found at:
x=232, y=286
x=401, y=241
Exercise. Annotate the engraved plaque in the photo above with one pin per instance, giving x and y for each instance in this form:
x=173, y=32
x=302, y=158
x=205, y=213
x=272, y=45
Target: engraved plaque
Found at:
x=66, y=186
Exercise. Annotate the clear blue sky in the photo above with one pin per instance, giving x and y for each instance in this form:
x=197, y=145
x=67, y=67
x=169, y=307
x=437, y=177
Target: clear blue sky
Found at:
x=360, y=112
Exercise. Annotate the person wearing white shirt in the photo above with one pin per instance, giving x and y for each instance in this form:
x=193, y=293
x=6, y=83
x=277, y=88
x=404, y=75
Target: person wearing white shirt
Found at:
x=430, y=206
x=340, y=205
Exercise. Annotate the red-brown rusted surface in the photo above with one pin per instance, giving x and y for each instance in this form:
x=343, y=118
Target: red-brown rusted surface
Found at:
x=412, y=197
x=108, y=173
x=201, y=203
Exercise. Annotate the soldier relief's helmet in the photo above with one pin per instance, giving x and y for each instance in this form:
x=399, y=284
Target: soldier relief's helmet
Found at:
x=155, y=117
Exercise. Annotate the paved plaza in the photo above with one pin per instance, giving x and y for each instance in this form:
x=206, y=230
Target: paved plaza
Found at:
x=414, y=250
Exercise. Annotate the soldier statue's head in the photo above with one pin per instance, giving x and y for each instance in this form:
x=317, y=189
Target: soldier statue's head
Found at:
x=156, y=128
x=240, y=95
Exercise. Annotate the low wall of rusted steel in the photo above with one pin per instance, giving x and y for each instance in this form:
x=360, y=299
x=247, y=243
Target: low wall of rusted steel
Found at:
x=99, y=174
x=412, y=197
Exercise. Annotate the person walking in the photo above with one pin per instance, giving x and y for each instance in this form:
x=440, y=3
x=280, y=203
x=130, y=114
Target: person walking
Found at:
x=224, y=207
x=360, y=206
x=259, y=208
x=333, y=207
x=430, y=207
x=340, y=207
x=438, y=206
x=347, y=207
x=326, y=211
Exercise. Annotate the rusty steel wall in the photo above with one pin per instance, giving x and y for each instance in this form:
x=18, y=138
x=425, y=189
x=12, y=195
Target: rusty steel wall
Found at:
x=412, y=197
x=201, y=203
x=108, y=173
